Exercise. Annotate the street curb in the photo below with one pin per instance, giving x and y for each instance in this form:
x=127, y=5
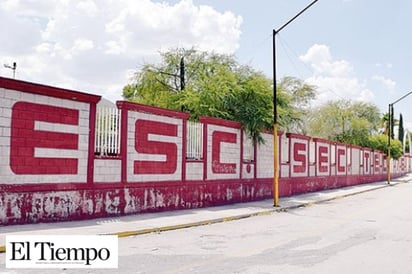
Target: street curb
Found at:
x=130, y=233
x=193, y=224
x=242, y=216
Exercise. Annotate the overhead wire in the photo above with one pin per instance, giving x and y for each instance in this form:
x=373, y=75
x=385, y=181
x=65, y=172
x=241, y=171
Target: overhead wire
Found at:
x=288, y=51
x=257, y=47
x=286, y=47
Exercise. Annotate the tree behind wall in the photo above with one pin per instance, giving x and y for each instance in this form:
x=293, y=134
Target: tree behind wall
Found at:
x=380, y=142
x=216, y=85
x=392, y=123
x=345, y=121
x=401, y=131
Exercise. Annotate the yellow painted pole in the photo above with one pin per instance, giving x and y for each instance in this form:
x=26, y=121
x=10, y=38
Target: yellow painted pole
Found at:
x=275, y=115
x=275, y=166
x=275, y=130
x=389, y=142
x=389, y=164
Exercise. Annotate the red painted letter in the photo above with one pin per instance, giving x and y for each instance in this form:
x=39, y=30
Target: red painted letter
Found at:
x=219, y=137
x=24, y=139
x=377, y=161
x=144, y=128
x=299, y=155
x=366, y=162
x=341, y=152
x=323, y=159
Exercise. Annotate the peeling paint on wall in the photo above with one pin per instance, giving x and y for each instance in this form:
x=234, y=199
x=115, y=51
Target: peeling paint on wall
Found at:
x=112, y=203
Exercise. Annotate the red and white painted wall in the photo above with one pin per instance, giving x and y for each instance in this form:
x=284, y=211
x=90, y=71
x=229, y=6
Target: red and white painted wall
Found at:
x=50, y=170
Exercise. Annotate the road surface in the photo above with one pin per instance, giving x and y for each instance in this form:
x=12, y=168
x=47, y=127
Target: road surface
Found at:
x=365, y=233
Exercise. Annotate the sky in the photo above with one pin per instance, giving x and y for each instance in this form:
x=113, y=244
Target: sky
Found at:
x=349, y=49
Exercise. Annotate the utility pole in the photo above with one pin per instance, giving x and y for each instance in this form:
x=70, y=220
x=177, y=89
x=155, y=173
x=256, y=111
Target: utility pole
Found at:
x=275, y=114
x=390, y=133
x=182, y=74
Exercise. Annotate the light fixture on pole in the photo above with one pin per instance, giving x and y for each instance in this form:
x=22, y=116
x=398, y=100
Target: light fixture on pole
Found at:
x=12, y=68
x=390, y=118
x=275, y=114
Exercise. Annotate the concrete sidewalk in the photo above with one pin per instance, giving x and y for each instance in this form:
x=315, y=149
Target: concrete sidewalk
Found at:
x=163, y=221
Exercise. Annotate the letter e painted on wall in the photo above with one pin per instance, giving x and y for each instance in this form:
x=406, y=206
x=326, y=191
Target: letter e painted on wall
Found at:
x=144, y=130
x=377, y=162
x=323, y=160
x=26, y=139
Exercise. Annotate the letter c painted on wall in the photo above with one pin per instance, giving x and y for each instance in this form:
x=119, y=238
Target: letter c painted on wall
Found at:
x=341, y=153
x=218, y=167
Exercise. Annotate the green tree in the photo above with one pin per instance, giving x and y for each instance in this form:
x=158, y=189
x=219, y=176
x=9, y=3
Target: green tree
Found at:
x=345, y=121
x=294, y=96
x=251, y=104
x=401, y=131
x=217, y=85
x=407, y=144
x=384, y=124
x=380, y=142
x=396, y=149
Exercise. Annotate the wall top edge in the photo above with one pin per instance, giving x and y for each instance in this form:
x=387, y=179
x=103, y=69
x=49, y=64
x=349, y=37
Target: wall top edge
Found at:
x=220, y=122
x=125, y=105
x=35, y=88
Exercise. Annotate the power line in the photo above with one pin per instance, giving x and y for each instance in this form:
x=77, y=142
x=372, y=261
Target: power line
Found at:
x=257, y=47
x=286, y=47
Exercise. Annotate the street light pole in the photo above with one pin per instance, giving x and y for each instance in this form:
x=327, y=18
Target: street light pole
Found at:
x=390, y=114
x=388, y=164
x=13, y=68
x=275, y=130
x=275, y=113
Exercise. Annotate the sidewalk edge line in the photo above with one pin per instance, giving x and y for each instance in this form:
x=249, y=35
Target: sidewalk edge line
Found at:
x=236, y=217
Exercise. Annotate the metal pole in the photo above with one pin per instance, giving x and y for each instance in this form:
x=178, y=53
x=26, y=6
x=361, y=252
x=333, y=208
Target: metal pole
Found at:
x=401, y=98
x=390, y=113
x=275, y=130
x=296, y=16
x=388, y=164
x=14, y=70
x=275, y=114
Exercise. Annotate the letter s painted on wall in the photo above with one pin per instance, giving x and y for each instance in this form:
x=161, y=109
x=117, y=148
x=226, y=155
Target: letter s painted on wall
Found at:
x=299, y=156
x=143, y=145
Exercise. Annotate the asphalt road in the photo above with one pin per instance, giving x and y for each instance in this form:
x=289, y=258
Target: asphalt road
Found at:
x=365, y=233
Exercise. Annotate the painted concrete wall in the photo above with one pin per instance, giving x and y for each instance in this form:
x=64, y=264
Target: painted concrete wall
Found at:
x=49, y=171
